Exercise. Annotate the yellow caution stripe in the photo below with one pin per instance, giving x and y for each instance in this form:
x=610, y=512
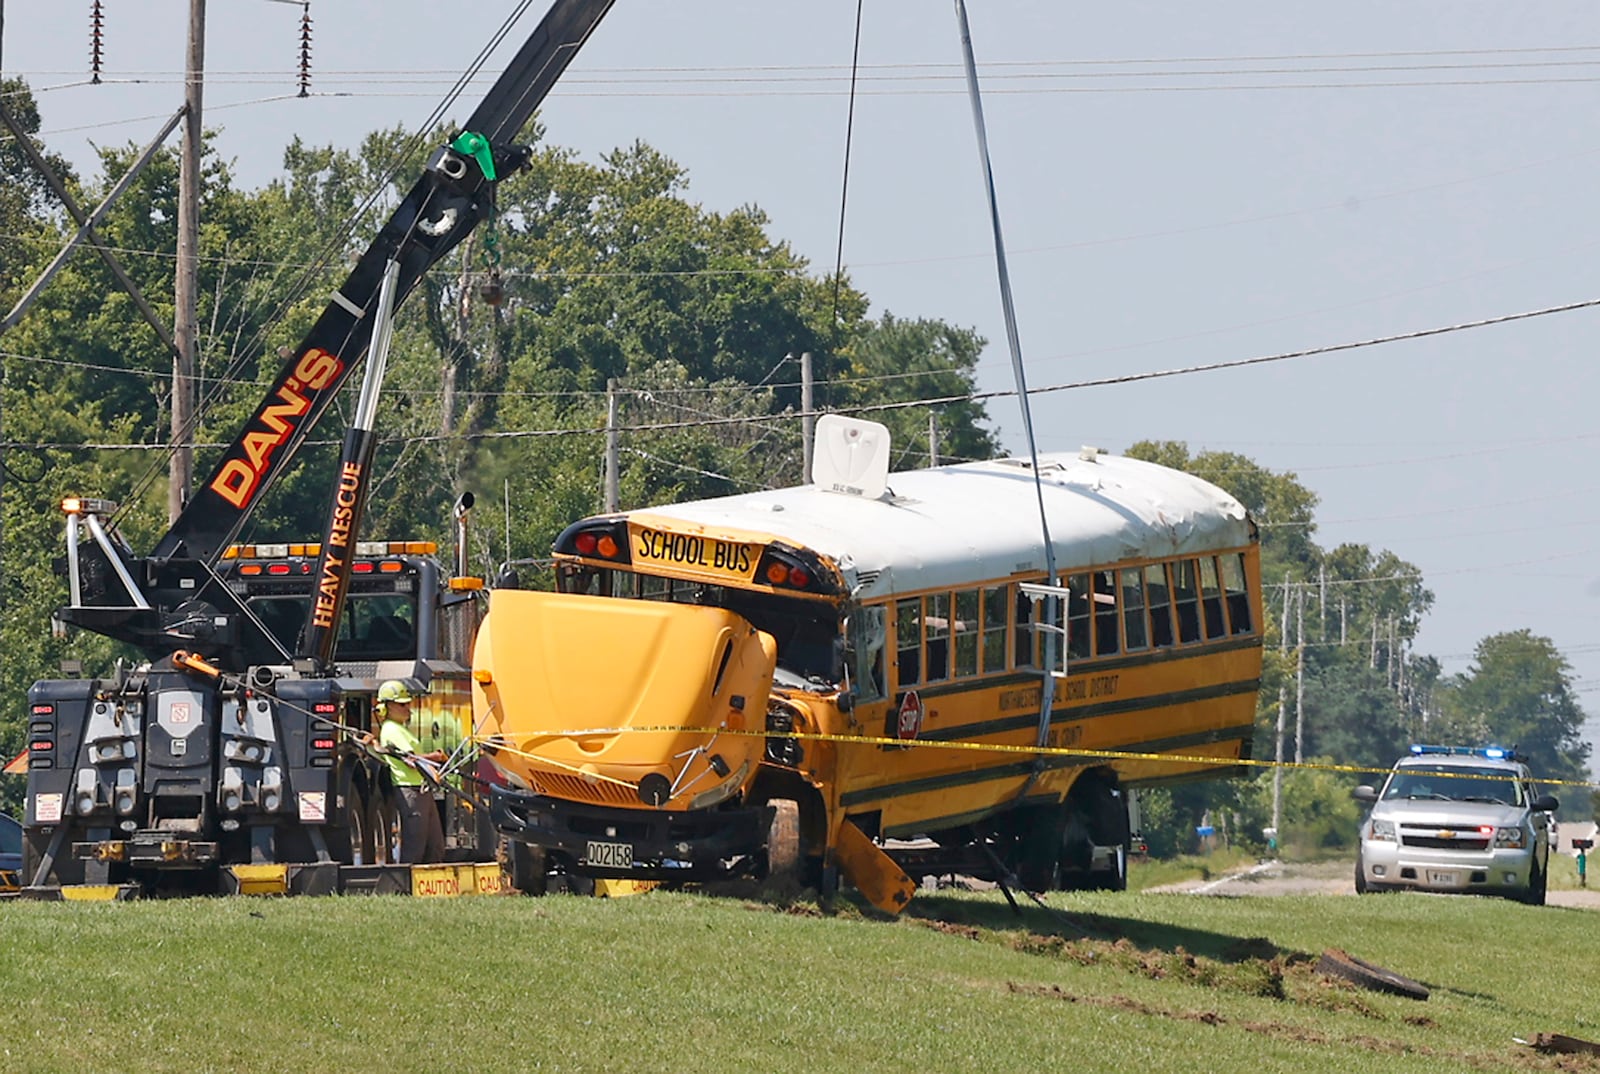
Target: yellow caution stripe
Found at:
x=495, y=742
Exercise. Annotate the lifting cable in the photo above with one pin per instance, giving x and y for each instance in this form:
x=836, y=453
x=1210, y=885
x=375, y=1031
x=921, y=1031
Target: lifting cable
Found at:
x=1046, y=622
x=844, y=183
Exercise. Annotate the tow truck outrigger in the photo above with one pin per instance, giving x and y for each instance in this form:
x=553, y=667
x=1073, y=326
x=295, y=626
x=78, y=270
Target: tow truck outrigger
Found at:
x=226, y=749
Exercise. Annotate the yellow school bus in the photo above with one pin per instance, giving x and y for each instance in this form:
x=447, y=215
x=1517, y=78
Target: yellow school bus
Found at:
x=843, y=680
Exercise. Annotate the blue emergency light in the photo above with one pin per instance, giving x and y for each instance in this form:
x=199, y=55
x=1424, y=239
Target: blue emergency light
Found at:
x=1493, y=753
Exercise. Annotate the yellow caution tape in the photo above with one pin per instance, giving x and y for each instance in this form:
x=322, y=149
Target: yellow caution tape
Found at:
x=497, y=743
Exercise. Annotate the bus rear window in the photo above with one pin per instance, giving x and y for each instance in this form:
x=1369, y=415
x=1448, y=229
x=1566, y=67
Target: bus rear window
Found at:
x=1238, y=594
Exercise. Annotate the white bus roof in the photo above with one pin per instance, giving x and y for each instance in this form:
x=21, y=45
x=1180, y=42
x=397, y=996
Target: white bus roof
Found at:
x=952, y=526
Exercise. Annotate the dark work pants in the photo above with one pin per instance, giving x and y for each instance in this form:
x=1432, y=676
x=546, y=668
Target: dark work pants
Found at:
x=421, y=835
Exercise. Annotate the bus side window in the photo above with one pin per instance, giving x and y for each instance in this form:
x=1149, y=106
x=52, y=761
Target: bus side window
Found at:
x=1105, y=613
x=1133, y=620
x=1186, y=600
x=864, y=654
x=1211, y=599
x=936, y=625
x=994, y=629
x=1078, y=605
x=1023, y=645
x=965, y=631
x=908, y=642
x=1160, y=601
x=1238, y=595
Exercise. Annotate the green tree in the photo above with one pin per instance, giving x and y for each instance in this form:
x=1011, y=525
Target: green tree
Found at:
x=1352, y=715
x=1318, y=812
x=1518, y=692
x=1281, y=506
x=893, y=360
x=28, y=208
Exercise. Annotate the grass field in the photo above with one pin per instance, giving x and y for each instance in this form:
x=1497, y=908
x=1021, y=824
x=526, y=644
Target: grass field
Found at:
x=693, y=982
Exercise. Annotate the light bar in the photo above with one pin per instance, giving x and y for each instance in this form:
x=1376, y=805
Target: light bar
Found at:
x=1493, y=753
x=312, y=550
x=397, y=548
x=83, y=505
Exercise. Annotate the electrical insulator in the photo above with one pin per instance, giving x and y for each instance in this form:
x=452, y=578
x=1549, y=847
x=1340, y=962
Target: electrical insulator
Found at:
x=97, y=26
x=305, y=49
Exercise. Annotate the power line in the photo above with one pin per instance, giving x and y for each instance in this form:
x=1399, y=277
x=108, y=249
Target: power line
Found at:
x=972, y=397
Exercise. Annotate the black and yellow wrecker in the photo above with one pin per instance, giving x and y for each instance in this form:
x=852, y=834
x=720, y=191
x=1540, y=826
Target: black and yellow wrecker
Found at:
x=232, y=757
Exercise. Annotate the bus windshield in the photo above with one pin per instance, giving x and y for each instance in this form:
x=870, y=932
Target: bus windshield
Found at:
x=810, y=644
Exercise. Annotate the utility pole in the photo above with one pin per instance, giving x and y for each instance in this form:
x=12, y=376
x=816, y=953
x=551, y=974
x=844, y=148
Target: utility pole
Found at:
x=808, y=422
x=1322, y=604
x=1283, y=709
x=185, y=328
x=1389, y=672
x=933, y=439
x=613, y=497
x=1300, y=678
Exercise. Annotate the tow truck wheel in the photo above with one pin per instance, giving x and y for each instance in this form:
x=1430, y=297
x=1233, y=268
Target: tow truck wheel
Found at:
x=63, y=871
x=363, y=822
x=385, y=815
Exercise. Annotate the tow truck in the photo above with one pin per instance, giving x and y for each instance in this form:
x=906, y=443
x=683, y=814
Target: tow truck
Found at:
x=232, y=756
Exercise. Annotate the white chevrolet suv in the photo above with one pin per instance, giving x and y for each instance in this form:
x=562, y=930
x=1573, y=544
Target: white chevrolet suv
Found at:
x=1457, y=819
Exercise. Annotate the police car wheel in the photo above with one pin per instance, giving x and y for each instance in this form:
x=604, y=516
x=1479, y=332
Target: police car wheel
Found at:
x=1538, y=884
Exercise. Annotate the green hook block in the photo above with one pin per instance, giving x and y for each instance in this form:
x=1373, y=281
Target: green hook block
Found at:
x=476, y=146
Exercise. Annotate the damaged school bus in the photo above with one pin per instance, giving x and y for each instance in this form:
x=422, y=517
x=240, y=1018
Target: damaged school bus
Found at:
x=843, y=681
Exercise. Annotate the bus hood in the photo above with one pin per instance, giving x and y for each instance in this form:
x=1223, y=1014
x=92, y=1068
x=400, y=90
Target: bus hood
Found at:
x=588, y=697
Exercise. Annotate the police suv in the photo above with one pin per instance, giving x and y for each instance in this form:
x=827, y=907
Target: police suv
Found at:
x=1457, y=819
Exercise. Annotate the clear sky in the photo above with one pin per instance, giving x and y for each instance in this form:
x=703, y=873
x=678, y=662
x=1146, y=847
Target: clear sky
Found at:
x=1180, y=184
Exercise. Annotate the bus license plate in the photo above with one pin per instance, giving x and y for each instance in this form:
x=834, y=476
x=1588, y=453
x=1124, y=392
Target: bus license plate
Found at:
x=609, y=855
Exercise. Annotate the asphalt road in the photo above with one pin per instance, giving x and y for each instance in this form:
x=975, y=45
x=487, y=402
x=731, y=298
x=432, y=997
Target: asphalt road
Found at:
x=1324, y=878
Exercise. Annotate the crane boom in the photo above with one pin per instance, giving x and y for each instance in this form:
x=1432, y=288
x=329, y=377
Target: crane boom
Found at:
x=172, y=598
x=451, y=197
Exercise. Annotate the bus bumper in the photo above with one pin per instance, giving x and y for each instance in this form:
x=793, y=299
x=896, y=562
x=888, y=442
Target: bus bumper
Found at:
x=636, y=844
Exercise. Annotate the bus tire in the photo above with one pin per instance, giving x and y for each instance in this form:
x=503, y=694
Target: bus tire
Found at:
x=526, y=864
x=1117, y=878
x=1038, y=866
x=781, y=858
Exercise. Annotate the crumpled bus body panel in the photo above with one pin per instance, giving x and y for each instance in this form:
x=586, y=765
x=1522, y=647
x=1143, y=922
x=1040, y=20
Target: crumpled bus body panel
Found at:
x=599, y=700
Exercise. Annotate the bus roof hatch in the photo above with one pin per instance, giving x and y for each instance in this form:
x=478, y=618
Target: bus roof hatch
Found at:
x=851, y=457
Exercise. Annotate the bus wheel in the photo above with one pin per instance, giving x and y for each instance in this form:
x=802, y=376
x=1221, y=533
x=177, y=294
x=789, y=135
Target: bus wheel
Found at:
x=1118, y=878
x=1038, y=866
x=782, y=859
x=526, y=865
